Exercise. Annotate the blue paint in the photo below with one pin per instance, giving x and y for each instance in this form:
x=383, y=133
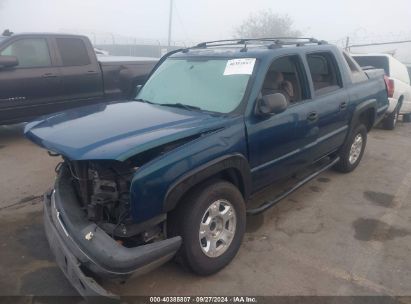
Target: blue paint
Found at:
x=274, y=146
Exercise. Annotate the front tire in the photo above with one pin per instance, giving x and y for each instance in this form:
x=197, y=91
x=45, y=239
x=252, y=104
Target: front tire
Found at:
x=211, y=220
x=352, y=151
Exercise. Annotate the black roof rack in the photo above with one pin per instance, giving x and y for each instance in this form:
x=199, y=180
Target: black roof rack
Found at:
x=269, y=41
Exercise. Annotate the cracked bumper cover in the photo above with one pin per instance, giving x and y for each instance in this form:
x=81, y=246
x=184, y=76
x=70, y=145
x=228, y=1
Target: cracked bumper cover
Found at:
x=84, y=258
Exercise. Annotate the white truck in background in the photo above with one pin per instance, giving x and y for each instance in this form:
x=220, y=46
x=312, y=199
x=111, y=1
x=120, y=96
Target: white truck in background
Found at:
x=398, y=84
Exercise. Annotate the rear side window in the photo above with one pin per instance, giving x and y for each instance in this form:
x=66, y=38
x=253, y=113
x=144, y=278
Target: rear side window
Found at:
x=30, y=52
x=324, y=72
x=73, y=51
x=378, y=62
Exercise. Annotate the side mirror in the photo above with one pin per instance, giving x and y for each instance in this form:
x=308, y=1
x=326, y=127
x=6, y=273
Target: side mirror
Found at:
x=8, y=61
x=272, y=104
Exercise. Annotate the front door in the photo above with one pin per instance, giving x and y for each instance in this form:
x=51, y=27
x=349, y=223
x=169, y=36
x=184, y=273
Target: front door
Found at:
x=34, y=81
x=278, y=144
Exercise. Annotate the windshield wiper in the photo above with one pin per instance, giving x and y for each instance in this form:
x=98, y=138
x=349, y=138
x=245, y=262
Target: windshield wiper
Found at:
x=181, y=105
x=144, y=100
x=175, y=105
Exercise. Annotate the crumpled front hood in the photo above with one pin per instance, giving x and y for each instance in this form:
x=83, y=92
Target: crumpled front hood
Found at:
x=116, y=131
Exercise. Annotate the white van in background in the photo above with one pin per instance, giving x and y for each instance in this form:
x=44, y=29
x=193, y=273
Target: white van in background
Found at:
x=398, y=84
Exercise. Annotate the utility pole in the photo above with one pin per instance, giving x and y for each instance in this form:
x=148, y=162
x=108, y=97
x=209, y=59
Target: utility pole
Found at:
x=170, y=22
x=347, y=44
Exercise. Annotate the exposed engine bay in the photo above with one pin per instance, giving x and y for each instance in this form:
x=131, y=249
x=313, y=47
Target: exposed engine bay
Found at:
x=102, y=188
x=103, y=191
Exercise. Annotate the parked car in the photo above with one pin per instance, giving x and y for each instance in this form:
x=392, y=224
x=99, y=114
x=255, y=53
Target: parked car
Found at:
x=399, y=89
x=46, y=73
x=172, y=171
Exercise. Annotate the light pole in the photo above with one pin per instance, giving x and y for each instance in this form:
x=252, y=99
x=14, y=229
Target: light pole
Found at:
x=170, y=23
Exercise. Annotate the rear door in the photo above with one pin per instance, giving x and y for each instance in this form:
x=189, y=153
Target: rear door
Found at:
x=330, y=102
x=35, y=80
x=81, y=75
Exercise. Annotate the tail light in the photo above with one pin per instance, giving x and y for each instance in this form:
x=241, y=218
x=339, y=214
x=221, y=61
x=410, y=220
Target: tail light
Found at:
x=389, y=83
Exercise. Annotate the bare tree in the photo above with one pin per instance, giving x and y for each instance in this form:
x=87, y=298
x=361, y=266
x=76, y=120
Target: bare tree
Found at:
x=265, y=23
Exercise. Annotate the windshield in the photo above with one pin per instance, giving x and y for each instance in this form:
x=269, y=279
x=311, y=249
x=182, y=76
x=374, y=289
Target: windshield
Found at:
x=216, y=85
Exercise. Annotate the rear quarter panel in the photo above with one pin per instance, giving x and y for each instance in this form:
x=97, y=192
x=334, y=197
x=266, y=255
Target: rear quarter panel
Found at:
x=371, y=92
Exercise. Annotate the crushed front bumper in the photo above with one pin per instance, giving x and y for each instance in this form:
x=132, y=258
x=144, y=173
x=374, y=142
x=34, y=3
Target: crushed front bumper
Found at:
x=85, y=253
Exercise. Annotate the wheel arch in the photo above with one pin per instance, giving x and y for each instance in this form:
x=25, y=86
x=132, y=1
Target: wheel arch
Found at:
x=365, y=113
x=367, y=117
x=233, y=168
x=400, y=101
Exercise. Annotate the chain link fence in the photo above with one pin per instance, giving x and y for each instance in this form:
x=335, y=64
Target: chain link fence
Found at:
x=122, y=45
x=136, y=50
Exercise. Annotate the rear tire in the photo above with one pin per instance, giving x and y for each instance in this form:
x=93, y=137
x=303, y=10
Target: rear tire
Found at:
x=211, y=220
x=390, y=121
x=352, y=151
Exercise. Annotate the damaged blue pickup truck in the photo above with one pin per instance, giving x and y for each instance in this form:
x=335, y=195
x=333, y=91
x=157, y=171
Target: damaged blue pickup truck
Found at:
x=170, y=173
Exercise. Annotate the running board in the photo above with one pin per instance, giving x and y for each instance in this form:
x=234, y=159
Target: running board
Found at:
x=268, y=204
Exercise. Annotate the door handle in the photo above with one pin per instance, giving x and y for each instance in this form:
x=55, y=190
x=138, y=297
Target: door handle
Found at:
x=49, y=75
x=313, y=116
x=343, y=105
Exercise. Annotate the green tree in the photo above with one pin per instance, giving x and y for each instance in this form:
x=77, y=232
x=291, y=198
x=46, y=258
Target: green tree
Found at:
x=265, y=23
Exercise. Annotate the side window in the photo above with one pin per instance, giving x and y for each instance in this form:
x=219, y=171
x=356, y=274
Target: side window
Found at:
x=324, y=72
x=357, y=74
x=73, y=52
x=286, y=76
x=31, y=52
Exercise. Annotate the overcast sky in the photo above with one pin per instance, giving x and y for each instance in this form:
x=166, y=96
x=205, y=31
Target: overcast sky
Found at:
x=196, y=20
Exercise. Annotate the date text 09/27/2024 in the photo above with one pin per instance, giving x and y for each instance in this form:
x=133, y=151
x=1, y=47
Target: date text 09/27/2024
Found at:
x=204, y=299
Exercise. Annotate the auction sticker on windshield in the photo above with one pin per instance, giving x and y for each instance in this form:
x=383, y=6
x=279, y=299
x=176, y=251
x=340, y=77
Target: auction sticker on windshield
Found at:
x=240, y=66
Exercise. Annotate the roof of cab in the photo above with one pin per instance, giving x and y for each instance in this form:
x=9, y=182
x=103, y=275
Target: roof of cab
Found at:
x=34, y=34
x=243, y=48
